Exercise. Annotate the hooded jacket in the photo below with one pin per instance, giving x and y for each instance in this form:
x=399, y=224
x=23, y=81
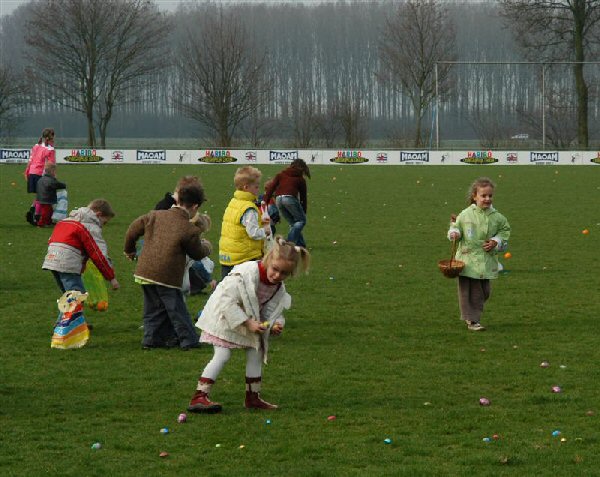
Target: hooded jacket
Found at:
x=234, y=301
x=76, y=239
x=290, y=181
x=474, y=226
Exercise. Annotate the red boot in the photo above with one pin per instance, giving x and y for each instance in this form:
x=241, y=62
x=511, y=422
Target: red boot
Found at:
x=200, y=401
x=253, y=400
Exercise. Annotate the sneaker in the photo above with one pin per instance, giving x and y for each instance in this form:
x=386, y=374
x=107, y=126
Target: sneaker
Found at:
x=475, y=326
x=201, y=403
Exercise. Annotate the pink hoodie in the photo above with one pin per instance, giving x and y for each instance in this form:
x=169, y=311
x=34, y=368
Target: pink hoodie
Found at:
x=40, y=154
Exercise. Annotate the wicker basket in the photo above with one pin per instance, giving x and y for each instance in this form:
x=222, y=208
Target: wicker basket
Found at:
x=451, y=268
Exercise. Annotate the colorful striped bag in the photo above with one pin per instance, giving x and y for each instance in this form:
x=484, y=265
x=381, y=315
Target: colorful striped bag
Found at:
x=71, y=330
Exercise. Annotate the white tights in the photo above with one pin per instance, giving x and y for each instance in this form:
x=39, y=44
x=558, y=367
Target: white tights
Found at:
x=222, y=355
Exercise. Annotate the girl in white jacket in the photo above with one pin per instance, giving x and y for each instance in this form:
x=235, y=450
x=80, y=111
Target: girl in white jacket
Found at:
x=243, y=311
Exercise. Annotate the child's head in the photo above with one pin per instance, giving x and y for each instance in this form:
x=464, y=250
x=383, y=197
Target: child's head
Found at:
x=47, y=136
x=247, y=179
x=302, y=166
x=284, y=260
x=481, y=192
x=202, y=221
x=50, y=169
x=102, y=209
x=184, y=181
x=190, y=194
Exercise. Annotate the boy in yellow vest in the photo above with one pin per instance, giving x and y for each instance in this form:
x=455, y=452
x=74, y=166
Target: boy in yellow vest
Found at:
x=242, y=232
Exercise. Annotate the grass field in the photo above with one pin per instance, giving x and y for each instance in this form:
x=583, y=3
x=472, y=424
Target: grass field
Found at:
x=373, y=338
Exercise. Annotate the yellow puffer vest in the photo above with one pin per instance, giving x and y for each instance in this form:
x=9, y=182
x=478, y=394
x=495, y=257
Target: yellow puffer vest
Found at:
x=235, y=246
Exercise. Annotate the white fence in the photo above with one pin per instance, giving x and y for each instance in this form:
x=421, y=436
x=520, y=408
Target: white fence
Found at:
x=359, y=157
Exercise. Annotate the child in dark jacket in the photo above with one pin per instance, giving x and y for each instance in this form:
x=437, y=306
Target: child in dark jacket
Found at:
x=46, y=189
x=168, y=238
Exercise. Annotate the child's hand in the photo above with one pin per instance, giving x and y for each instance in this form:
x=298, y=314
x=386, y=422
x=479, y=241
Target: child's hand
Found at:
x=267, y=229
x=453, y=235
x=489, y=245
x=276, y=329
x=254, y=326
x=130, y=256
x=114, y=284
x=212, y=285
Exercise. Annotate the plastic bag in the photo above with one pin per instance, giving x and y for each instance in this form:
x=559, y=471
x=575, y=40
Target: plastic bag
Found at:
x=60, y=209
x=71, y=330
x=96, y=287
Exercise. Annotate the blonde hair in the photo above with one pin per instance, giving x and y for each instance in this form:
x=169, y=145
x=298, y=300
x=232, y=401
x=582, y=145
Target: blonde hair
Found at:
x=246, y=175
x=102, y=206
x=477, y=183
x=49, y=168
x=290, y=252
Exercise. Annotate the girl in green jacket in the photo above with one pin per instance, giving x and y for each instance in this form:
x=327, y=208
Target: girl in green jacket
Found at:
x=482, y=232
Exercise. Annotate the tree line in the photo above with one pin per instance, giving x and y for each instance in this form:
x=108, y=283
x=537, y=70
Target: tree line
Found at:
x=337, y=74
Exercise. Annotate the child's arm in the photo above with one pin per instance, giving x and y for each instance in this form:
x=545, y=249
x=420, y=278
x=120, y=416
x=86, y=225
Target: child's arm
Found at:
x=135, y=231
x=502, y=235
x=253, y=229
x=59, y=185
x=454, y=230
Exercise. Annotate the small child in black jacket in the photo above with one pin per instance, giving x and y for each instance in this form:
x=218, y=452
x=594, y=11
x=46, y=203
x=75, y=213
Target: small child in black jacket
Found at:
x=46, y=195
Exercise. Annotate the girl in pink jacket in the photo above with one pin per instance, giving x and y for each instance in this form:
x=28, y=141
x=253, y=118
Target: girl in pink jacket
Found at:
x=41, y=154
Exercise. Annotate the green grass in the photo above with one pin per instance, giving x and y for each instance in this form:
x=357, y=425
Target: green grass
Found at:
x=372, y=336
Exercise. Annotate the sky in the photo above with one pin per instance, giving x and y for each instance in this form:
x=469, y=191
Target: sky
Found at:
x=7, y=6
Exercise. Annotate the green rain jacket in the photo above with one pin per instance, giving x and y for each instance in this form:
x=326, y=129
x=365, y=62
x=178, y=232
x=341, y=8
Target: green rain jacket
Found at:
x=475, y=226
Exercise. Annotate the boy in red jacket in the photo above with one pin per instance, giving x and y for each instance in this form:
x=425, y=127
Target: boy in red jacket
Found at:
x=76, y=239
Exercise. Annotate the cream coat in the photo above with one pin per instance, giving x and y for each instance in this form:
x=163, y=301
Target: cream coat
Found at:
x=234, y=301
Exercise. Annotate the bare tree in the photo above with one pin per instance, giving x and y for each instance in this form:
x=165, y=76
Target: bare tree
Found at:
x=91, y=55
x=353, y=123
x=11, y=99
x=561, y=117
x=552, y=30
x=328, y=127
x=414, y=38
x=304, y=125
x=222, y=72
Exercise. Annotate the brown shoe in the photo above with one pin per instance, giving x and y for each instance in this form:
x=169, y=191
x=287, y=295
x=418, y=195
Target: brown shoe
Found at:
x=253, y=401
x=201, y=403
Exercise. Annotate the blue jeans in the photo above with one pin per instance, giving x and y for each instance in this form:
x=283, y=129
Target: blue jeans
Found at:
x=68, y=281
x=293, y=213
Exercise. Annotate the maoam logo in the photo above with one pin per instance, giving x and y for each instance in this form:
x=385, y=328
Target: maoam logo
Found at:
x=217, y=156
x=543, y=157
x=151, y=156
x=283, y=156
x=83, y=155
x=349, y=157
x=479, y=157
x=414, y=157
x=14, y=155
x=596, y=160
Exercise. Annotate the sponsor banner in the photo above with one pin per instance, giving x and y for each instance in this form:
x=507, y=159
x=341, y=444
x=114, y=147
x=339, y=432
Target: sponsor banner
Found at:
x=283, y=156
x=414, y=157
x=151, y=157
x=14, y=156
x=82, y=156
x=544, y=158
x=479, y=158
x=332, y=157
x=218, y=156
x=349, y=156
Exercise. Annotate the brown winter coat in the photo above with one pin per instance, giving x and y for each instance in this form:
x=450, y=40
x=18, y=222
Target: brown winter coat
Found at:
x=168, y=238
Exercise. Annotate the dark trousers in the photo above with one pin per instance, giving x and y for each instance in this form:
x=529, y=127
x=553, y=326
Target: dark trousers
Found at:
x=472, y=295
x=166, y=317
